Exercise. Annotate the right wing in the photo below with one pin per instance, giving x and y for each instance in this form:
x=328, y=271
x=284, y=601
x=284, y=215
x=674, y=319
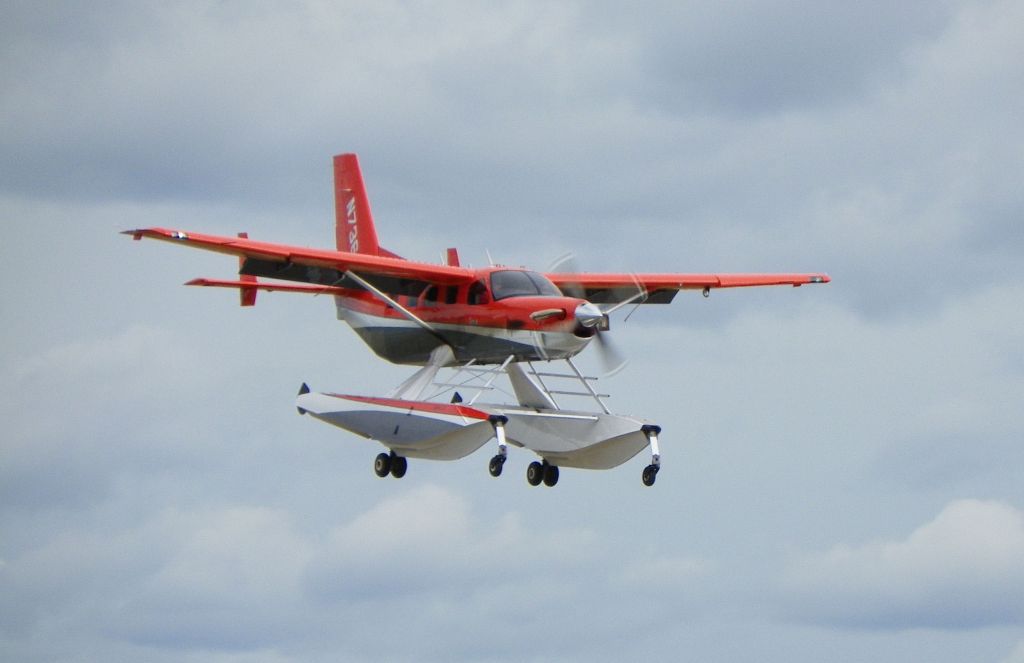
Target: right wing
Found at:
x=661, y=288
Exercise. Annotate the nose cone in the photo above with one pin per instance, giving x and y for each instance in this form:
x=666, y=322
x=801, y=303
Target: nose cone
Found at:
x=589, y=315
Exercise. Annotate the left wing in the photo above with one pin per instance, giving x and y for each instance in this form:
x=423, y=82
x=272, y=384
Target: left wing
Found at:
x=661, y=288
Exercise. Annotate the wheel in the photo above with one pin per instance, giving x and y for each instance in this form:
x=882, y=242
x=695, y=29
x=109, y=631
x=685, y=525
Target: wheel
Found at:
x=382, y=465
x=496, y=464
x=534, y=473
x=398, y=466
x=650, y=474
x=550, y=475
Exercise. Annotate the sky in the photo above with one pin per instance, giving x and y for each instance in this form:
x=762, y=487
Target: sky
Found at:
x=841, y=463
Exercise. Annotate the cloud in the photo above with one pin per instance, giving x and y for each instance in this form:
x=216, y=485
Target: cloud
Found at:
x=961, y=570
x=243, y=578
x=429, y=540
x=224, y=579
x=220, y=578
x=664, y=573
x=1016, y=655
x=755, y=59
x=47, y=464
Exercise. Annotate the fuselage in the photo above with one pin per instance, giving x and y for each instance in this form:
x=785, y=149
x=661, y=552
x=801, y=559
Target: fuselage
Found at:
x=503, y=312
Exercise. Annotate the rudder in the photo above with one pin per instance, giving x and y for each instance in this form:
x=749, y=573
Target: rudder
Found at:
x=354, y=229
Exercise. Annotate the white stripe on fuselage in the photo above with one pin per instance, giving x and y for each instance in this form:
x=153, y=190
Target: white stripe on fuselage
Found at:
x=557, y=345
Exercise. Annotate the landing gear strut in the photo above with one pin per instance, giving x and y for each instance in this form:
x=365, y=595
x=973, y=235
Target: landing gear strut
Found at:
x=538, y=472
x=390, y=463
x=651, y=471
x=498, y=461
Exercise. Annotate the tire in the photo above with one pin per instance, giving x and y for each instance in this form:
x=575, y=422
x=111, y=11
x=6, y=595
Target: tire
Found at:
x=496, y=465
x=550, y=475
x=650, y=474
x=382, y=465
x=399, y=465
x=534, y=473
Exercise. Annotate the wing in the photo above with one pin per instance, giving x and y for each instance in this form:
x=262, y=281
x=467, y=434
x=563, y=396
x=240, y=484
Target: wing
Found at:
x=661, y=288
x=316, y=266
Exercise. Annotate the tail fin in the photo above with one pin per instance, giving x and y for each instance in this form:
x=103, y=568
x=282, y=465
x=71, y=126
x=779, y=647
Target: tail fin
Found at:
x=354, y=229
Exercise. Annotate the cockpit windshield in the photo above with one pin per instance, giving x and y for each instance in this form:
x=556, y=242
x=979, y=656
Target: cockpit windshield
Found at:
x=520, y=283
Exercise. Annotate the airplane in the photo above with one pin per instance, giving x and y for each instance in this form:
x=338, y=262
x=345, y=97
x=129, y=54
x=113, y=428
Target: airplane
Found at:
x=483, y=323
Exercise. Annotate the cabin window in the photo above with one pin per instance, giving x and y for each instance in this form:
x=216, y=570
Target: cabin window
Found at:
x=430, y=295
x=478, y=293
x=520, y=283
x=451, y=294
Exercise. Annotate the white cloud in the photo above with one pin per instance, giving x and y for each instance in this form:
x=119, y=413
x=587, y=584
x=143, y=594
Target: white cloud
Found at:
x=961, y=570
x=240, y=578
x=663, y=573
x=429, y=539
x=226, y=578
x=118, y=355
x=97, y=384
x=1016, y=655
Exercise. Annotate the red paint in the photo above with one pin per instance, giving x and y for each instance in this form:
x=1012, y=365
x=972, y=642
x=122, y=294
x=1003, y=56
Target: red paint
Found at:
x=354, y=230
x=653, y=282
x=451, y=409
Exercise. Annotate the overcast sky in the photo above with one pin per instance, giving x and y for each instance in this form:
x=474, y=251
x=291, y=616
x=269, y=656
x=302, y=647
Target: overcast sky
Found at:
x=841, y=464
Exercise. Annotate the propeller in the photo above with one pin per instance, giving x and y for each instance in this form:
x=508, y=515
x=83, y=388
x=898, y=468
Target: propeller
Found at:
x=612, y=359
x=566, y=264
x=592, y=316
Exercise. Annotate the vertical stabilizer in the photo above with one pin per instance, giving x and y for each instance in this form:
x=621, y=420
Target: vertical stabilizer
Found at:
x=354, y=229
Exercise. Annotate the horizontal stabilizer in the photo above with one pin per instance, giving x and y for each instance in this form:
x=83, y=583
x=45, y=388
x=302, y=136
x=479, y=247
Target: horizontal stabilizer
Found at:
x=268, y=287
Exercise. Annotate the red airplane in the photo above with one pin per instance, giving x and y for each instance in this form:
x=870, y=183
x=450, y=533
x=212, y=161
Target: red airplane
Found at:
x=483, y=323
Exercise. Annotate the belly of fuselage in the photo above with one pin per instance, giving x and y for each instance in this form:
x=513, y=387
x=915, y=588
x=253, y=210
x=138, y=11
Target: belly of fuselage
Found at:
x=402, y=341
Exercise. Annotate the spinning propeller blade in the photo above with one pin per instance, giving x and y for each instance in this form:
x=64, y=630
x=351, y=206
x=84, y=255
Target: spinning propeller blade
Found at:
x=612, y=358
x=566, y=263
